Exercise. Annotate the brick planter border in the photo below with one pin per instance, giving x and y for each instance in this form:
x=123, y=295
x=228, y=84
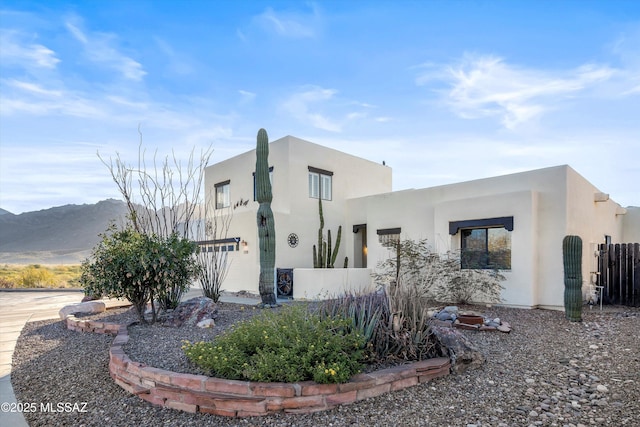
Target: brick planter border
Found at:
x=231, y=398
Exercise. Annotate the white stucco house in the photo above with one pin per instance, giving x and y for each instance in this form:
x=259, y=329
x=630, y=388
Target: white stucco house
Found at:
x=517, y=221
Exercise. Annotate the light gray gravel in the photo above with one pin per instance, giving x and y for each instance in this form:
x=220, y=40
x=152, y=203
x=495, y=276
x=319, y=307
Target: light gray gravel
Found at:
x=546, y=372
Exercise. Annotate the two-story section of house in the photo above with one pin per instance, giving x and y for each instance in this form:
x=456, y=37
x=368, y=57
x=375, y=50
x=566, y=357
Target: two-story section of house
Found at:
x=515, y=222
x=302, y=173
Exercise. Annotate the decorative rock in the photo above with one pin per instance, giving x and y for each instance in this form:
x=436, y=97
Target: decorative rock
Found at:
x=88, y=307
x=451, y=309
x=192, y=312
x=206, y=323
x=602, y=388
x=462, y=353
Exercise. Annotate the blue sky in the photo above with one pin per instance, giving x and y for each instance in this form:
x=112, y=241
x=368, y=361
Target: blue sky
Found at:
x=442, y=91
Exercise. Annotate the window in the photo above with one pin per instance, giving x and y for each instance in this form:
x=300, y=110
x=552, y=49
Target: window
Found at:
x=255, y=191
x=223, y=196
x=320, y=182
x=220, y=245
x=389, y=237
x=488, y=248
x=485, y=243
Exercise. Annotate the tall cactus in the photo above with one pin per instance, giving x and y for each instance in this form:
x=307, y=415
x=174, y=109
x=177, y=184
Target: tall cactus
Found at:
x=572, y=258
x=266, y=226
x=324, y=255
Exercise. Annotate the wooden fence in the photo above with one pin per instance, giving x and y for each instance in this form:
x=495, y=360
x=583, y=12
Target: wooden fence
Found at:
x=619, y=273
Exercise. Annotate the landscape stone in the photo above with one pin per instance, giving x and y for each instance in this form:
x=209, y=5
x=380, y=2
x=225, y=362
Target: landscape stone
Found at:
x=192, y=312
x=463, y=354
x=88, y=307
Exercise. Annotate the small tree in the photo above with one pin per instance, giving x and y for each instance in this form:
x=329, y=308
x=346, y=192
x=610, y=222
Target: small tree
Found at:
x=162, y=198
x=138, y=267
x=213, y=265
x=438, y=276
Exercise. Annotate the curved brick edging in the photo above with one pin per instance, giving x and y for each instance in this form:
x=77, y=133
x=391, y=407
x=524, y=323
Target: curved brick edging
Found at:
x=232, y=398
x=97, y=327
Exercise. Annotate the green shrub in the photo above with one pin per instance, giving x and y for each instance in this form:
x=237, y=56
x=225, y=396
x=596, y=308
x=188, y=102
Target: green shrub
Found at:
x=288, y=345
x=140, y=268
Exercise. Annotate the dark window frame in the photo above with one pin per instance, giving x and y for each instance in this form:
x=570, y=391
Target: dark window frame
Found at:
x=222, y=185
x=321, y=173
x=486, y=258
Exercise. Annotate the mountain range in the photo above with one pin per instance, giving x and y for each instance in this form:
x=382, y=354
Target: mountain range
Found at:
x=59, y=235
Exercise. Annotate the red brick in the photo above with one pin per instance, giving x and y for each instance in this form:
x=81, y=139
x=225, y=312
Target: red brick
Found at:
x=152, y=398
x=135, y=368
x=219, y=385
x=97, y=325
x=274, y=404
x=259, y=406
x=394, y=373
x=187, y=407
x=341, y=398
x=189, y=381
x=435, y=363
x=303, y=402
x=272, y=389
x=158, y=375
x=430, y=375
x=404, y=383
x=312, y=388
x=214, y=411
x=168, y=394
x=373, y=391
x=357, y=382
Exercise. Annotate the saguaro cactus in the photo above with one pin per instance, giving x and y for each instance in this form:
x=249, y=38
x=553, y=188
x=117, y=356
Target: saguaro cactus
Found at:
x=324, y=256
x=266, y=226
x=572, y=258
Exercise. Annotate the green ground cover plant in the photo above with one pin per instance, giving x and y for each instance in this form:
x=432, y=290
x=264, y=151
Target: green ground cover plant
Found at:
x=287, y=345
x=16, y=276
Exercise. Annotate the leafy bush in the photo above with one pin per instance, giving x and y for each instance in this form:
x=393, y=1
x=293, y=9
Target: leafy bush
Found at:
x=462, y=286
x=140, y=268
x=430, y=275
x=289, y=345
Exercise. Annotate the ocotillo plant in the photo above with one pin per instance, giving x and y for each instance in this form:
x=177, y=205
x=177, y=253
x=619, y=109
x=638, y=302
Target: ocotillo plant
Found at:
x=324, y=256
x=572, y=258
x=266, y=226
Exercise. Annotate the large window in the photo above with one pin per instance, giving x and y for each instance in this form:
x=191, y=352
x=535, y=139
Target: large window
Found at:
x=488, y=248
x=484, y=243
x=223, y=196
x=320, y=182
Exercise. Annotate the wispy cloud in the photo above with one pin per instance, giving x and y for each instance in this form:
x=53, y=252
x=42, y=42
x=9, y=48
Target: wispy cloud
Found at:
x=99, y=48
x=16, y=50
x=487, y=86
x=291, y=24
x=301, y=106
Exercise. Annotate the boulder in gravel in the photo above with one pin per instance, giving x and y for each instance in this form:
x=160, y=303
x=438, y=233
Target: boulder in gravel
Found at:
x=88, y=307
x=192, y=312
x=463, y=354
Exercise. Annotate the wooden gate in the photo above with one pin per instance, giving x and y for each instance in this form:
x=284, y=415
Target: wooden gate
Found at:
x=619, y=273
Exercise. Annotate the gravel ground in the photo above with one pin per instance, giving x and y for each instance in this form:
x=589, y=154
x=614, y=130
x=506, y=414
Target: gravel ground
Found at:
x=546, y=372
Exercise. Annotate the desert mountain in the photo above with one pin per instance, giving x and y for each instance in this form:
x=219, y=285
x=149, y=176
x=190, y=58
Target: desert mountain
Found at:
x=56, y=232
